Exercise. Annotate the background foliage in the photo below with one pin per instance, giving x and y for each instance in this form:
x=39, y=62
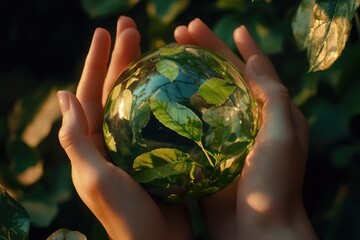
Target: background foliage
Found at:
x=43, y=46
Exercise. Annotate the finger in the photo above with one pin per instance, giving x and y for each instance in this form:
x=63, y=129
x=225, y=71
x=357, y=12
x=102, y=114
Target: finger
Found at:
x=273, y=98
x=204, y=37
x=123, y=23
x=111, y=194
x=126, y=49
x=73, y=136
x=182, y=36
x=89, y=91
x=248, y=47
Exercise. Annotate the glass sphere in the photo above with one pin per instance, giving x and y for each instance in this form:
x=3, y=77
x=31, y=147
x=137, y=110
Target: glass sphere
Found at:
x=180, y=120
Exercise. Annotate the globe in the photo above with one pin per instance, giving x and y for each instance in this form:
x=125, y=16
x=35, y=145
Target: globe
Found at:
x=180, y=120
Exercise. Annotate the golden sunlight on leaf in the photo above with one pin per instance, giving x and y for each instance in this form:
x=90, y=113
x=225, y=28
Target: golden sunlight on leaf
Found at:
x=31, y=174
x=301, y=22
x=329, y=30
x=41, y=124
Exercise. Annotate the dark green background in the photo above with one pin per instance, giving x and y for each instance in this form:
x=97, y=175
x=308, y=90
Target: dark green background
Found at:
x=43, y=45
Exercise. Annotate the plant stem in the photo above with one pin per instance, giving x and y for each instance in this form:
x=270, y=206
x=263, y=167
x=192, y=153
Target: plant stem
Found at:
x=205, y=152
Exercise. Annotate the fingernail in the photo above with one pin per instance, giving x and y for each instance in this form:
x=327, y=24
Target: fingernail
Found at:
x=239, y=34
x=63, y=100
x=119, y=22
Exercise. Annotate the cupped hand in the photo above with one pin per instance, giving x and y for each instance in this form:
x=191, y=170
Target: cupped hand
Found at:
x=122, y=206
x=265, y=202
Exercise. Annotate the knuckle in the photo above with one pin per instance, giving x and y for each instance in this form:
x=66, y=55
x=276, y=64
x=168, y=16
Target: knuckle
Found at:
x=67, y=138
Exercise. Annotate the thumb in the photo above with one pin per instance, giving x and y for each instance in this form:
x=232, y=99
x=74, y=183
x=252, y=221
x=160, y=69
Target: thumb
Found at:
x=272, y=97
x=73, y=135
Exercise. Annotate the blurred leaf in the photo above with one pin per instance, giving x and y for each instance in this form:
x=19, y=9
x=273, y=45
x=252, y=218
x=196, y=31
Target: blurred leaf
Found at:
x=166, y=11
x=41, y=210
x=41, y=200
x=342, y=156
x=14, y=220
x=329, y=122
x=26, y=161
x=33, y=115
x=64, y=234
x=308, y=89
x=59, y=178
x=268, y=34
x=106, y=8
x=231, y=4
x=301, y=22
x=329, y=30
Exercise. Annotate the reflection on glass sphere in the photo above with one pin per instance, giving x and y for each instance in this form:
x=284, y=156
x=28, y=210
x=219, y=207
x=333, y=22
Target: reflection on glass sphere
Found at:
x=180, y=121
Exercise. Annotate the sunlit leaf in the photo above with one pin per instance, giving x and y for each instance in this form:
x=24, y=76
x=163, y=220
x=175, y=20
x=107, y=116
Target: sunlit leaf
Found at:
x=229, y=169
x=14, y=220
x=106, y=8
x=172, y=51
x=166, y=11
x=301, y=22
x=329, y=31
x=26, y=161
x=168, y=68
x=65, y=234
x=109, y=138
x=123, y=105
x=216, y=90
x=33, y=115
x=161, y=163
x=178, y=118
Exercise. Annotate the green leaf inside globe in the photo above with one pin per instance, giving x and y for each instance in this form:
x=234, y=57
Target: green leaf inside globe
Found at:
x=180, y=120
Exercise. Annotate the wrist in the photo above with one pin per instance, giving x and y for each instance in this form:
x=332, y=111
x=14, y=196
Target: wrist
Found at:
x=293, y=224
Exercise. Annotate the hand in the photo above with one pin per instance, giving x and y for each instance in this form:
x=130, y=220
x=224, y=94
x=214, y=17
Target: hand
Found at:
x=266, y=201
x=268, y=196
x=122, y=206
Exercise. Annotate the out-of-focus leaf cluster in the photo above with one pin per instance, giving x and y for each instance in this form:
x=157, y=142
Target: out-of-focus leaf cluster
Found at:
x=314, y=45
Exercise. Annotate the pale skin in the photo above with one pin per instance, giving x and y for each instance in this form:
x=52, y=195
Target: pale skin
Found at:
x=264, y=203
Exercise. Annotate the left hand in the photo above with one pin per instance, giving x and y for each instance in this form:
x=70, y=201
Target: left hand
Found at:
x=121, y=204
